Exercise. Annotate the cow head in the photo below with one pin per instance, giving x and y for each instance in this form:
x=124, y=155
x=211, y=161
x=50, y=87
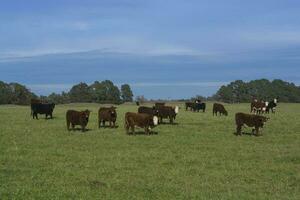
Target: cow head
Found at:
x=225, y=113
x=266, y=103
x=261, y=120
x=275, y=100
x=113, y=112
x=86, y=114
x=155, y=111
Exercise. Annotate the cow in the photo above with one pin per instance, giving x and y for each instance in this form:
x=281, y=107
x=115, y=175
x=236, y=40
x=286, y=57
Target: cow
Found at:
x=107, y=114
x=148, y=110
x=141, y=120
x=251, y=120
x=42, y=108
x=219, y=108
x=258, y=107
x=34, y=101
x=272, y=106
x=199, y=106
x=167, y=112
x=189, y=105
x=74, y=117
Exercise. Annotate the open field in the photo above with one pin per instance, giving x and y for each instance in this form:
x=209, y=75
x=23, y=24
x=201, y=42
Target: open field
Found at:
x=198, y=158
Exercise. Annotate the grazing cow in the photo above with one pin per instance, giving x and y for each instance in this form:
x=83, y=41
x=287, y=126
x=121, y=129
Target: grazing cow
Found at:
x=147, y=110
x=107, y=114
x=258, y=107
x=42, y=108
x=74, y=117
x=189, y=105
x=272, y=106
x=250, y=120
x=219, y=108
x=167, y=112
x=141, y=120
x=198, y=106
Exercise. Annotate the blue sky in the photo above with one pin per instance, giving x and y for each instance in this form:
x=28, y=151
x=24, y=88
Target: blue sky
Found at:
x=164, y=49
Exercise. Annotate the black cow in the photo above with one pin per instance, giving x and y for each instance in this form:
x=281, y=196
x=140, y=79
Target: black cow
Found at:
x=42, y=108
x=198, y=106
x=148, y=110
x=167, y=112
x=271, y=106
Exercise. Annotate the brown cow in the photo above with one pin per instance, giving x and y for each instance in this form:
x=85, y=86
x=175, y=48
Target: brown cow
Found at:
x=250, y=120
x=258, y=107
x=77, y=118
x=217, y=107
x=107, y=114
x=141, y=120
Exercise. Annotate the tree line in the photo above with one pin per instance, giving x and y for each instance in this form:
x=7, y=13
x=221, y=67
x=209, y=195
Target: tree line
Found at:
x=262, y=89
x=106, y=92
x=98, y=92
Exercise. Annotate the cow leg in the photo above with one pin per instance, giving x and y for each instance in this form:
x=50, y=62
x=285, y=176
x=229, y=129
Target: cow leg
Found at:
x=171, y=120
x=46, y=115
x=257, y=131
x=132, y=130
x=51, y=116
x=110, y=125
x=68, y=125
x=239, y=130
x=73, y=127
x=147, y=130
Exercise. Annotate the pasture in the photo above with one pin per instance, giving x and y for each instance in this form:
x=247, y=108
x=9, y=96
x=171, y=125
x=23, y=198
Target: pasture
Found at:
x=198, y=158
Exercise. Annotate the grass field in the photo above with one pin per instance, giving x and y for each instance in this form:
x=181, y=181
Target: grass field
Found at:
x=198, y=158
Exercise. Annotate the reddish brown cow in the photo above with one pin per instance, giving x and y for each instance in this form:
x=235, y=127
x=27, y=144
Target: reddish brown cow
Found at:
x=77, y=118
x=107, y=114
x=219, y=108
x=141, y=120
x=250, y=120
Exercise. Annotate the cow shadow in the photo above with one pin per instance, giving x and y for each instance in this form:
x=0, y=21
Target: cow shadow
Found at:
x=80, y=130
x=143, y=133
x=168, y=123
x=247, y=134
x=107, y=126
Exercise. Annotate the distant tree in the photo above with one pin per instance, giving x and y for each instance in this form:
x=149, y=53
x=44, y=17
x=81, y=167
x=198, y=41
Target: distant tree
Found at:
x=262, y=89
x=141, y=99
x=105, y=92
x=5, y=93
x=20, y=94
x=80, y=93
x=126, y=93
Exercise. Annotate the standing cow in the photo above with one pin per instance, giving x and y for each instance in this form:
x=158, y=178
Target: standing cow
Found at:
x=74, y=117
x=219, y=108
x=250, y=120
x=167, y=112
x=258, y=107
x=141, y=120
x=42, y=108
x=148, y=110
x=107, y=114
x=272, y=106
x=199, y=106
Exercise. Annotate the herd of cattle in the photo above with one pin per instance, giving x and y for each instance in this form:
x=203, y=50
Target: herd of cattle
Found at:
x=149, y=117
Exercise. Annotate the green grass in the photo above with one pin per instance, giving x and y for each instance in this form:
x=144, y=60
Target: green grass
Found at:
x=199, y=158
